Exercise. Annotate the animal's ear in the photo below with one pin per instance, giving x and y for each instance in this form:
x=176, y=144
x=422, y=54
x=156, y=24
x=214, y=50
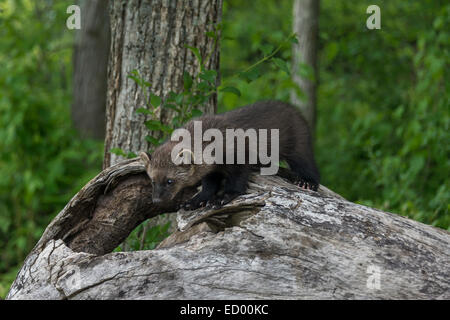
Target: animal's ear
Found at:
x=145, y=158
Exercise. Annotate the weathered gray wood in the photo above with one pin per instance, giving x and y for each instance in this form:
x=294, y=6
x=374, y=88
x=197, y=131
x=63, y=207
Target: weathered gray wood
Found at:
x=276, y=242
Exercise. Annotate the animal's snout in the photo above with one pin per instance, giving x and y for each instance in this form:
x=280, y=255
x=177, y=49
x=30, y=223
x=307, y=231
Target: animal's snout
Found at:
x=157, y=193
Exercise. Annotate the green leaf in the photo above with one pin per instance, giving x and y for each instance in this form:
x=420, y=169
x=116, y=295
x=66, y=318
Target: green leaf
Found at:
x=171, y=96
x=161, y=140
x=131, y=155
x=208, y=75
x=231, y=90
x=166, y=128
x=152, y=140
x=176, y=121
x=266, y=49
x=196, y=113
x=250, y=75
x=143, y=111
x=202, y=99
x=196, y=53
x=179, y=99
x=134, y=78
x=187, y=81
x=134, y=75
x=153, y=125
x=281, y=64
x=118, y=151
x=204, y=86
x=155, y=100
x=211, y=34
x=293, y=38
x=331, y=50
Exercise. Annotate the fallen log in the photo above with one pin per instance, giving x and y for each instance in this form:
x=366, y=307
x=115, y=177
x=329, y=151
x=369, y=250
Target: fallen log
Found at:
x=276, y=242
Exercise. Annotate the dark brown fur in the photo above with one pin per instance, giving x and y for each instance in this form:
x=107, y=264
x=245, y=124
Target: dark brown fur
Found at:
x=294, y=147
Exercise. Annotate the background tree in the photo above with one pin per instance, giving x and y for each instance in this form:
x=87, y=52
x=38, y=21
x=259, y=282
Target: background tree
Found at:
x=90, y=58
x=151, y=37
x=304, y=57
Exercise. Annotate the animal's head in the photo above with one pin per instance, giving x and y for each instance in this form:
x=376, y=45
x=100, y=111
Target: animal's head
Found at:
x=168, y=177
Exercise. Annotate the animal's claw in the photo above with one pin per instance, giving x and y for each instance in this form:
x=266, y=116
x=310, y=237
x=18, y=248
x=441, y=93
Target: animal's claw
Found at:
x=306, y=185
x=193, y=204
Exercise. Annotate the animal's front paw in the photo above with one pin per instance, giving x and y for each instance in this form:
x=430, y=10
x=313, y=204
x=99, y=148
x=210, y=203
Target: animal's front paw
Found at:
x=219, y=202
x=194, y=203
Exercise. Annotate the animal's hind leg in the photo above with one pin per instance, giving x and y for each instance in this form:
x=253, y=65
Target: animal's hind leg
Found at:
x=307, y=174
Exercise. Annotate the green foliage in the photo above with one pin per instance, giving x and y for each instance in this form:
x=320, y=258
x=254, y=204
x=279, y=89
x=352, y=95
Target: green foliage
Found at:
x=255, y=33
x=383, y=100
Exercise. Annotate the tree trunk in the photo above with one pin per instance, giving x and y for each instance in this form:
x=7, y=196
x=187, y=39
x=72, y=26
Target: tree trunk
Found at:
x=276, y=242
x=306, y=26
x=90, y=69
x=151, y=37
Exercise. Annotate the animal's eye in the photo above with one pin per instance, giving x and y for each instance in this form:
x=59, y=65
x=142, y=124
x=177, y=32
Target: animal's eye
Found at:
x=169, y=181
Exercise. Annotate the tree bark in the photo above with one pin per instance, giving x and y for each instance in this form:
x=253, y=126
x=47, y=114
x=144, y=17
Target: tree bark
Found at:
x=90, y=69
x=306, y=26
x=151, y=37
x=276, y=242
